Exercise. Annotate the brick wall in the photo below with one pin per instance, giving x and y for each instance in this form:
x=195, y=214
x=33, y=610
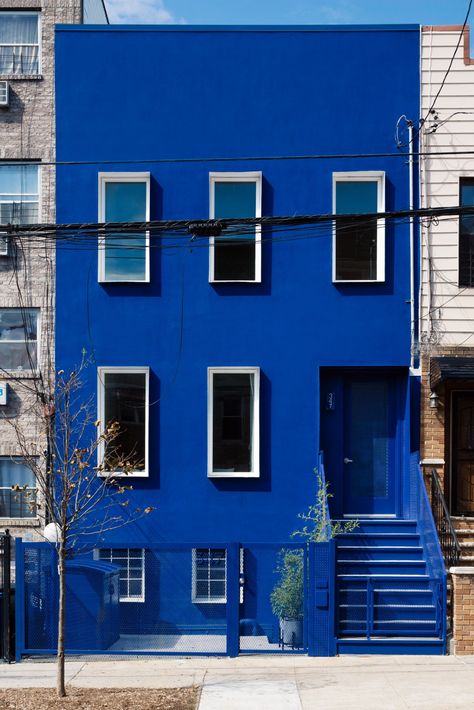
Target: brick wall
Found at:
x=27, y=131
x=463, y=610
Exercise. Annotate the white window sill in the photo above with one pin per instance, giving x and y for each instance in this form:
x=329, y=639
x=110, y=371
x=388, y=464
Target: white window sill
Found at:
x=19, y=374
x=233, y=474
x=130, y=600
x=121, y=474
x=358, y=281
x=124, y=281
x=20, y=522
x=21, y=77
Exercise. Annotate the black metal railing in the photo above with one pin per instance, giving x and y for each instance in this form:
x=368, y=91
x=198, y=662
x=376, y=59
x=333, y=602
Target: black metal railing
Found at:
x=5, y=597
x=446, y=532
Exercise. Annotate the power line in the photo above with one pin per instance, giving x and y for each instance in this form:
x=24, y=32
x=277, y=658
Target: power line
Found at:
x=236, y=159
x=228, y=228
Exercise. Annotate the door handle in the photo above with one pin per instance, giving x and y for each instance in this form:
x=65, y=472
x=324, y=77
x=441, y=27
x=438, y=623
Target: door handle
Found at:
x=346, y=460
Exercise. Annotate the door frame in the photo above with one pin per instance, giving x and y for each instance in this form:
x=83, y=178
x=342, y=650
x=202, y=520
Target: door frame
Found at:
x=399, y=377
x=450, y=482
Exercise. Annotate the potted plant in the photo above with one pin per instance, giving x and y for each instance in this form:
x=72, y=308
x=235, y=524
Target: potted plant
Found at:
x=287, y=597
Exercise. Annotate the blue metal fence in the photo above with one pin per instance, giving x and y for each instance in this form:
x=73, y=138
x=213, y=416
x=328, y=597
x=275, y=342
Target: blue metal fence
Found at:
x=204, y=598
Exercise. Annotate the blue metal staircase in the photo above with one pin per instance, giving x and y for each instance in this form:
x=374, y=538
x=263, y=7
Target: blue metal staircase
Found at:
x=390, y=592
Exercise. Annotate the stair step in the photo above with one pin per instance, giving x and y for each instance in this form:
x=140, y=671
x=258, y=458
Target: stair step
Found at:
x=383, y=526
x=394, y=645
x=395, y=553
x=395, y=567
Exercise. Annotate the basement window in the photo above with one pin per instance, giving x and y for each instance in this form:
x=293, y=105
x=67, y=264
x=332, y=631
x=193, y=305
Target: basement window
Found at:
x=358, y=242
x=209, y=575
x=236, y=255
x=124, y=256
x=123, y=398
x=132, y=571
x=233, y=422
x=19, y=43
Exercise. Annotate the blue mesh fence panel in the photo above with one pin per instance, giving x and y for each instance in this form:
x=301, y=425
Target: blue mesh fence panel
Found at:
x=272, y=576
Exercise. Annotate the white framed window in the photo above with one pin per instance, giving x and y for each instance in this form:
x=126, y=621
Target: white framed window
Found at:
x=236, y=257
x=19, y=329
x=20, y=43
x=233, y=422
x=209, y=575
x=19, y=194
x=123, y=397
x=132, y=571
x=17, y=503
x=125, y=256
x=358, y=243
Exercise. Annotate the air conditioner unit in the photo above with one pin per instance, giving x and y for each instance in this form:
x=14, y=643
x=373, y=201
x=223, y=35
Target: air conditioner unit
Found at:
x=4, y=93
x=4, y=241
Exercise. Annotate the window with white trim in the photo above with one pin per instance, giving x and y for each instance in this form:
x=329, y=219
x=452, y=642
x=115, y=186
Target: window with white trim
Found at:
x=358, y=242
x=209, y=575
x=19, y=43
x=236, y=255
x=233, y=422
x=124, y=256
x=132, y=571
x=19, y=338
x=123, y=398
x=17, y=489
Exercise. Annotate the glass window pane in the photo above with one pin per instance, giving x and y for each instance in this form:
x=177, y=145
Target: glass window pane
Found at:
x=18, y=28
x=356, y=238
x=125, y=253
x=234, y=254
x=232, y=433
x=216, y=589
x=135, y=588
x=125, y=402
x=14, y=472
x=466, y=235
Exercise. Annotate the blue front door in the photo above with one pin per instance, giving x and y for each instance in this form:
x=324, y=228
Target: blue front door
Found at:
x=369, y=460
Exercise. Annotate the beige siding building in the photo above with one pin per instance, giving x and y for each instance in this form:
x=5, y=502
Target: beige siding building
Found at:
x=27, y=195
x=447, y=302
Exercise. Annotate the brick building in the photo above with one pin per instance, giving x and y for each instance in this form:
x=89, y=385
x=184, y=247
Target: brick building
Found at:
x=27, y=195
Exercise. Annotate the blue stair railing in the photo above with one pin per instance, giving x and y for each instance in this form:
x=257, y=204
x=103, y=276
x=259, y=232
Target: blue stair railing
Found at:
x=421, y=508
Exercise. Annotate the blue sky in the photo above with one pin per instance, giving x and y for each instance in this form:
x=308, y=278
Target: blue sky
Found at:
x=287, y=11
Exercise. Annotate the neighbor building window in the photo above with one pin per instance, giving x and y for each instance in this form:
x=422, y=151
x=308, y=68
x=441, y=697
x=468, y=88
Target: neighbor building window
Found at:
x=209, y=575
x=15, y=475
x=359, y=242
x=19, y=197
x=236, y=255
x=466, y=234
x=233, y=422
x=123, y=399
x=131, y=562
x=18, y=338
x=124, y=255
x=19, y=43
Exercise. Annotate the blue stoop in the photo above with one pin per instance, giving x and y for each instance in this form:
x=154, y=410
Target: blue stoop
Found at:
x=386, y=600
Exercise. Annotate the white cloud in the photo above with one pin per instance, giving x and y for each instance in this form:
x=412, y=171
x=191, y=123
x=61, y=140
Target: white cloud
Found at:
x=339, y=12
x=141, y=12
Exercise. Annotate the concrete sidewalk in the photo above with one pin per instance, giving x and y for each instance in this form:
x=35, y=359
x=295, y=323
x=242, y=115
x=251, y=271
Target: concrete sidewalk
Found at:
x=277, y=682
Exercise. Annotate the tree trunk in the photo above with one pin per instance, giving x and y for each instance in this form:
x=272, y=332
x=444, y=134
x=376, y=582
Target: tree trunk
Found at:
x=60, y=680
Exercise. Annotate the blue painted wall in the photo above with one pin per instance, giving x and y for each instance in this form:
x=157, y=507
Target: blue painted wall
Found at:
x=136, y=94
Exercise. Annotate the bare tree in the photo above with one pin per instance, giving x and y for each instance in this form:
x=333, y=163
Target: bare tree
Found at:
x=79, y=478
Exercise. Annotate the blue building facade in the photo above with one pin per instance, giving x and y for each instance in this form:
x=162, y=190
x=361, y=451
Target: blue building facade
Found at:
x=240, y=356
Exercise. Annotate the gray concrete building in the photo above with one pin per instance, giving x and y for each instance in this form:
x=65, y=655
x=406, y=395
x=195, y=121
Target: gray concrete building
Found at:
x=27, y=265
